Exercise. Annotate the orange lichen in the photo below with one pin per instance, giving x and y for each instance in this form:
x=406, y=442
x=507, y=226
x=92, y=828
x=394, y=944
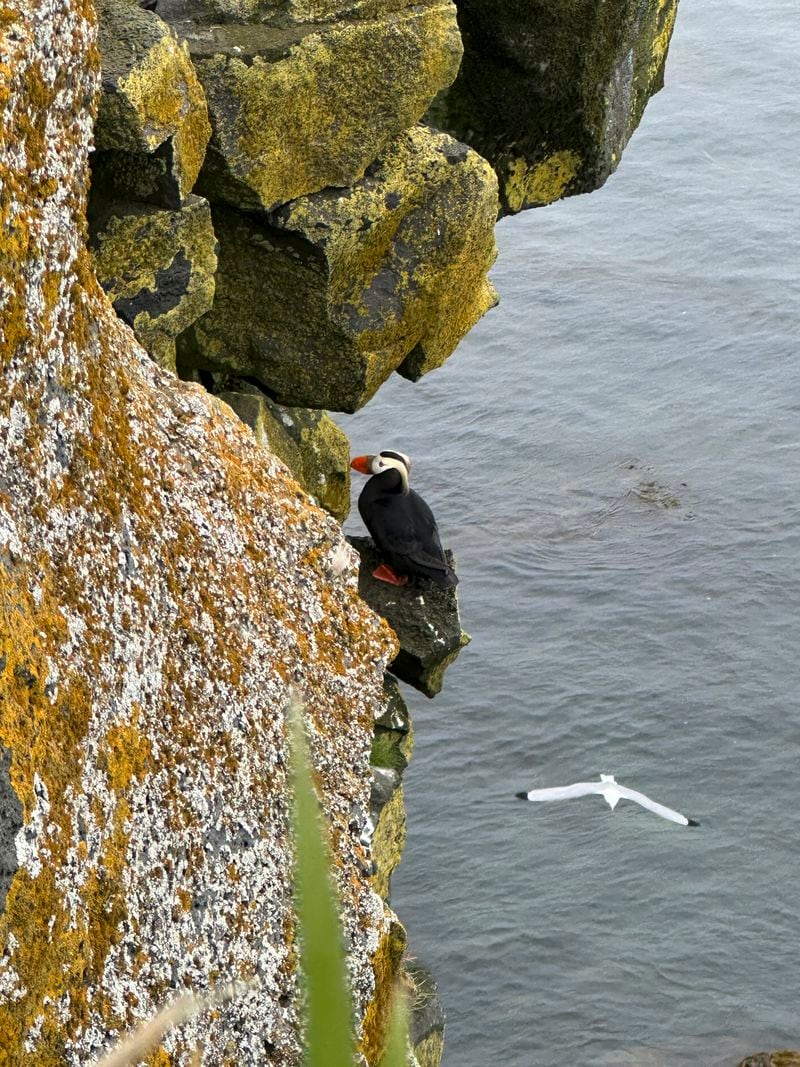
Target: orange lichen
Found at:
x=128, y=755
x=159, y=1058
x=145, y=589
x=386, y=964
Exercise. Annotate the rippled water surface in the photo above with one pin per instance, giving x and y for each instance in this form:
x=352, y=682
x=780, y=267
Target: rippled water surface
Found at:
x=613, y=455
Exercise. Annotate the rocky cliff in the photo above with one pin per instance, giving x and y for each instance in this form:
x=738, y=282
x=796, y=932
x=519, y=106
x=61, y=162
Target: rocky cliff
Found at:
x=164, y=583
x=269, y=218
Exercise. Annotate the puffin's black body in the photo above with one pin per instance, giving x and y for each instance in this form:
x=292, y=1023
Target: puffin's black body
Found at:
x=404, y=529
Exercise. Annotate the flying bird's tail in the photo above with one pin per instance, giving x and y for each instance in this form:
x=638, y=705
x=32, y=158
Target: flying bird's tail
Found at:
x=693, y=822
x=522, y=796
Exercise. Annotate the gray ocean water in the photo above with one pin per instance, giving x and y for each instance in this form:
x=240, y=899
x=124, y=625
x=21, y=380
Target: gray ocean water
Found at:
x=614, y=456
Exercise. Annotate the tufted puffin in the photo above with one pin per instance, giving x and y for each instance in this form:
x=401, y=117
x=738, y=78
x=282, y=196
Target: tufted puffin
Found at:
x=400, y=522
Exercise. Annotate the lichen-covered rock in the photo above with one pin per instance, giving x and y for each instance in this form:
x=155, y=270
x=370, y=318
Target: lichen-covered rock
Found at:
x=423, y=615
x=782, y=1058
x=309, y=442
x=391, y=750
x=278, y=12
x=427, y=1018
x=157, y=267
x=152, y=118
x=389, y=837
x=10, y=823
x=164, y=585
x=550, y=92
x=340, y=288
x=387, y=964
x=295, y=108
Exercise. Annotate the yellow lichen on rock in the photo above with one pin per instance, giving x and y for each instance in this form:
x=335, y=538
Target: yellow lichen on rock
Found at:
x=535, y=186
x=389, y=841
x=169, y=101
x=666, y=13
x=309, y=442
x=47, y=949
x=297, y=110
x=300, y=11
x=128, y=754
x=157, y=267
x=387, y=963
x=551, y=93
x=152, y=93
x=339, y=289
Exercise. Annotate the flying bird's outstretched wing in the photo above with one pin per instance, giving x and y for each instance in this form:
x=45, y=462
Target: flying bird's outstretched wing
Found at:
x=657, y=809
x=612, y=791
x=563, y=792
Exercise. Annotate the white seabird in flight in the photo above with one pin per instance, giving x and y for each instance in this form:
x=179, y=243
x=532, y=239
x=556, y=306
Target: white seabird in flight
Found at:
x=612, y=791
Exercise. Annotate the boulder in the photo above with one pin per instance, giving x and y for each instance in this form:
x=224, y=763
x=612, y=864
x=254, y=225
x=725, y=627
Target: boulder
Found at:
x=152, y=124
x=165, y=587
x=296, y=106
x=550, y=93
x=322, y=301
x=423, y=615
x=427, y=1018
x=157, y=267
x=309, y=442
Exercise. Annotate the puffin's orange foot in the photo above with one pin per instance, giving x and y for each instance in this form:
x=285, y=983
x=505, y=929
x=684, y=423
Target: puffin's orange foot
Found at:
x=384, y=573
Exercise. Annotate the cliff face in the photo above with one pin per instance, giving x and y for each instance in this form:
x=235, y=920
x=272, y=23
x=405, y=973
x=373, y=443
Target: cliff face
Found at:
x=269, y=218
x=164, y=584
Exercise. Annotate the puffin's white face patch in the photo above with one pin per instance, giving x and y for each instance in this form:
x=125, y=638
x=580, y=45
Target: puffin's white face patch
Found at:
x=389, y=459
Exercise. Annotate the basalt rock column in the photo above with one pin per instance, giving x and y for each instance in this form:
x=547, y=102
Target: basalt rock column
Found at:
x=424, y=616
x=154, y=248
x=309, y=442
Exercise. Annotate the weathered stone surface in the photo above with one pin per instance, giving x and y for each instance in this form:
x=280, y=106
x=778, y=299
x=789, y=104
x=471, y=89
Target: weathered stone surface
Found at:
x=427, y=1018
x=391, y=750
x=296, y=108
x=157, y=267
x=395, y=721
x=387, y=963
x=163, y=585
x=423, y=615
x=782, y=1058
x=152, y=124
x=346, y=286
x=550, y=92
x=309, y=442
x=275, y=12
x=389, y=837
x=10, y=825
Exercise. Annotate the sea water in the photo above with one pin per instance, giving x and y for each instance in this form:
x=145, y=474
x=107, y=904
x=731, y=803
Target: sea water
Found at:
x=613, y=454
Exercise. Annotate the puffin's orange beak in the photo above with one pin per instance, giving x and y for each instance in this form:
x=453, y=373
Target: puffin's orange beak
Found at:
x=361, y=464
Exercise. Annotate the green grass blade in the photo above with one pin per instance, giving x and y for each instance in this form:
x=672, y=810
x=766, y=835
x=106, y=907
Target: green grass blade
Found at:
x=395, y=1054
x=329, y=1037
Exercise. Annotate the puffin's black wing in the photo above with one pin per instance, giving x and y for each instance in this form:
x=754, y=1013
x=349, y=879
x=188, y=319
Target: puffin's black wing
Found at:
x=404, y=529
